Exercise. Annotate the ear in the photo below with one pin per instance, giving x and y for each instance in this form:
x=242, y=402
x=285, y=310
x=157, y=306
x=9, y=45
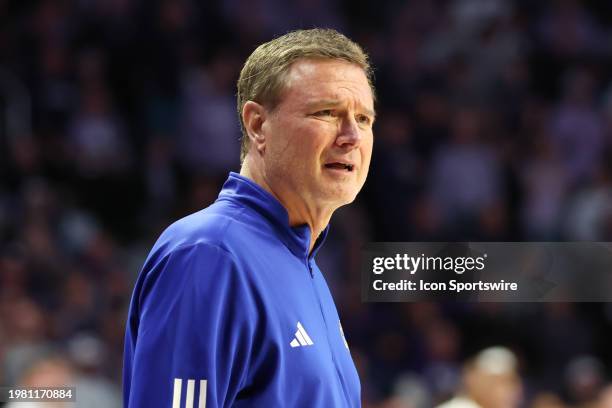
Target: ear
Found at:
x=253, y=117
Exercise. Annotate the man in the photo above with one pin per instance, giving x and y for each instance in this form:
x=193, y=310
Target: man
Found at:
x=490, y=380
x=230, y=308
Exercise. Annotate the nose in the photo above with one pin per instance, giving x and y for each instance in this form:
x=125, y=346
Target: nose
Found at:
x=349, y=134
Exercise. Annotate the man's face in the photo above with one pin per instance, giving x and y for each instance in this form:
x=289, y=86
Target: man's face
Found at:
x=496, y=390
x=319, y=137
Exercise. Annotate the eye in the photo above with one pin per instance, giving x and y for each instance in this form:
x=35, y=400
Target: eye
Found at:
x=364, y=120
x=325, y=112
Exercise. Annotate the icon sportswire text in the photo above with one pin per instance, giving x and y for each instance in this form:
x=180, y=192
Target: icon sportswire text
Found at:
x=301, y=337
x=189, y=395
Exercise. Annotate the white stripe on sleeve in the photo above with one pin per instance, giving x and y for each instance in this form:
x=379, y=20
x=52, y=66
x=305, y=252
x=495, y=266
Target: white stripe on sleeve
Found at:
x=202, y=401
x=189, y=396
x=176, y=396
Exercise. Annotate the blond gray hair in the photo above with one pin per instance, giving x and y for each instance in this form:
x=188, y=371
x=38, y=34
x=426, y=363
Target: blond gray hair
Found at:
x=263, y=75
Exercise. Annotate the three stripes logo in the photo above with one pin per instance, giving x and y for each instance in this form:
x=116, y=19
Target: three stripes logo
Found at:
x=190, y=394
x=301, y=337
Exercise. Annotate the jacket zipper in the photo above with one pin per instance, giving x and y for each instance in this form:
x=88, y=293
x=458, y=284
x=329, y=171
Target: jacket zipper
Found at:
x=331, y=349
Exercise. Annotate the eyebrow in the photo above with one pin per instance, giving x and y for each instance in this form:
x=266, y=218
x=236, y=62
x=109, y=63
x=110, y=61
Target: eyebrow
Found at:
x=335, y=102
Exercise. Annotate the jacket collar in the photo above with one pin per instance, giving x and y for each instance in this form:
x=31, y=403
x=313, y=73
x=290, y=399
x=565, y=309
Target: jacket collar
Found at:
x=246, y=192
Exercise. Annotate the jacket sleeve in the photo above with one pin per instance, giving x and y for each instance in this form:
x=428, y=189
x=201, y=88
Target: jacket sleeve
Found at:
x=195, y=327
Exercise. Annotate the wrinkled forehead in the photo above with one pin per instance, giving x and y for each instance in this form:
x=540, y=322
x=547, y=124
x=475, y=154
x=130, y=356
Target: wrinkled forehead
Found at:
x=331, y=79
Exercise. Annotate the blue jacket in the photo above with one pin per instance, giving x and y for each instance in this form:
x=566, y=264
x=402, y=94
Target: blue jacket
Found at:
x=231, y=310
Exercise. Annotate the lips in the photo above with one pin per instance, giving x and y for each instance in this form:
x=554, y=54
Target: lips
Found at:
x=340, y=166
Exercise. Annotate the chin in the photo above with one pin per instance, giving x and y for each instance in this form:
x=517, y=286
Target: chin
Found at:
x=345, y=199
x=339, y=195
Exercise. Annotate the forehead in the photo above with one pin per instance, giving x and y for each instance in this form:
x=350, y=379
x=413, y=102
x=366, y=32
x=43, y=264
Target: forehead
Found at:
x=311, y=79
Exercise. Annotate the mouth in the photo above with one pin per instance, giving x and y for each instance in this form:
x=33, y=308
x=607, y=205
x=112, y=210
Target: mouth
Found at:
x=340, y=166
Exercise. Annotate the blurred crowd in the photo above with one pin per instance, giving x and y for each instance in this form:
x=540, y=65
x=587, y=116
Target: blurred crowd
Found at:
x=118, y=117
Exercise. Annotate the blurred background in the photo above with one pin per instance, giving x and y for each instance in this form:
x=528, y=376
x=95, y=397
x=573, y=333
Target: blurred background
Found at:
x=117, y=117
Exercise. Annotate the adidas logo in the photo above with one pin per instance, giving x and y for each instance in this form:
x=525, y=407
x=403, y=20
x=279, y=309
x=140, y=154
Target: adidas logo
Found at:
x=191, y=389
x=301, y=337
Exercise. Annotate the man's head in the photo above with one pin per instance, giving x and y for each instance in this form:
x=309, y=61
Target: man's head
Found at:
x=306, y=106
x=263, y=76
x=491, y=379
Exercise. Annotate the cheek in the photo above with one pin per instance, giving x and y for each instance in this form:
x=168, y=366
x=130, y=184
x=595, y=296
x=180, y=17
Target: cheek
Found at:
x=296, y=159
x=366, y=153
x=311, y=147
x=301, y=144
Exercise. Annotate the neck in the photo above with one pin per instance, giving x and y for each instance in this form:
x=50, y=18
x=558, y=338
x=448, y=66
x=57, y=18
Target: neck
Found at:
x=316, y=219
x=300, y=213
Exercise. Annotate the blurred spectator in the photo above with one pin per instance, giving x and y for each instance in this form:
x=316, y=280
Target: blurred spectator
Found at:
x=584, y=376
x=409, y=391
x=576, y=129
x=589, y=213
x=568, y=30
x=58, y=93
x=160, y=176
x=545, y=185
x=25, y=336
x=57, y=371
x=88, y=355
x=398, y=174
x=442, y=368
x=490, y=380
x=47, y=372
x=97, y=136
x=466, y=178
x=562, y=336
x=210, y=137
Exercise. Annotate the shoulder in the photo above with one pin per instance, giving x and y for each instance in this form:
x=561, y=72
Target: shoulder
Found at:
x=210, y=227
x=195, y=245
x=184, y=274
x=214, y=244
